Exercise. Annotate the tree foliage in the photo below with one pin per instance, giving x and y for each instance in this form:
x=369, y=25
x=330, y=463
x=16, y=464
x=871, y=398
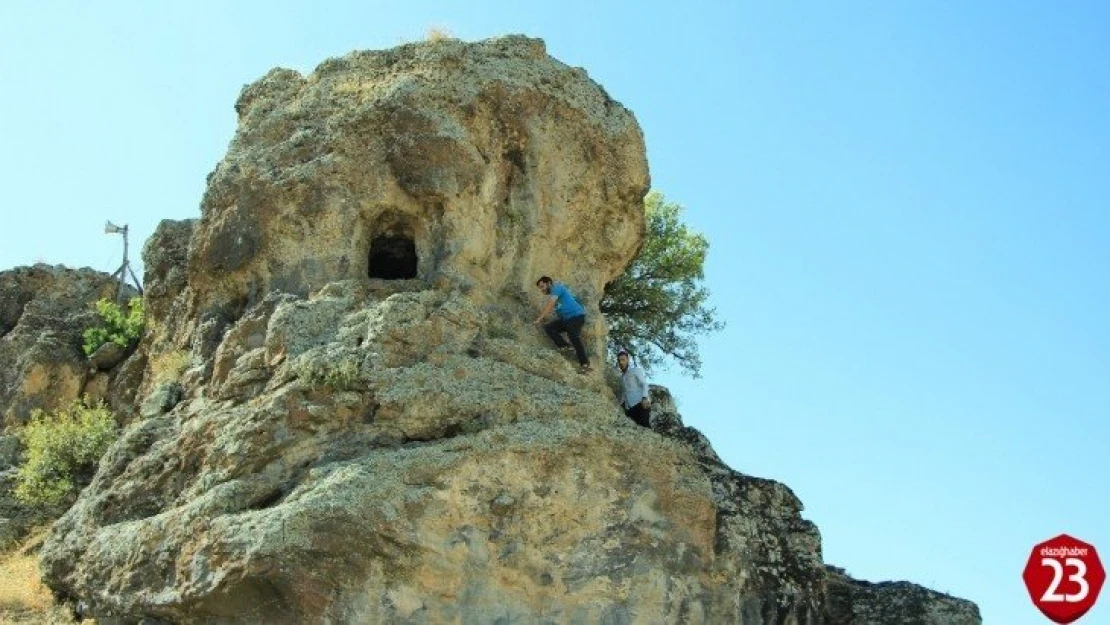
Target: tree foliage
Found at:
x=124, y=328
x=659, y=306
x=62, y=452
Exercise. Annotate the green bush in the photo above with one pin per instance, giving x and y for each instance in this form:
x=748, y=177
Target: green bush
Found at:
x=62, y=452
x=119, y=327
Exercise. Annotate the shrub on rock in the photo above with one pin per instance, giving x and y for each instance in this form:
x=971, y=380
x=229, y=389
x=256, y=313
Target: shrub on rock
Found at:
x=62, y=450
x=124, y=328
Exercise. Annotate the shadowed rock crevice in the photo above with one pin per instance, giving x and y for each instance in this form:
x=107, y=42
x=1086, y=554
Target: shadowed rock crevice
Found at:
x=11, y=310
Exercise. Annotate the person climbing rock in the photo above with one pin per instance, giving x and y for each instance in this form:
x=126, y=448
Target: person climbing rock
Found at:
x=635, y=395
x=570, y=317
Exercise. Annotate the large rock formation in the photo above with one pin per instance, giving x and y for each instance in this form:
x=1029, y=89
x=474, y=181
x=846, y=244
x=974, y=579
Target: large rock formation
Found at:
x=44, y=311
x=366, y=427
x=473, y=167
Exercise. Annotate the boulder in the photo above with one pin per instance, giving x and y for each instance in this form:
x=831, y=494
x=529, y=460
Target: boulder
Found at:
x=162, y=400
x=107, y=356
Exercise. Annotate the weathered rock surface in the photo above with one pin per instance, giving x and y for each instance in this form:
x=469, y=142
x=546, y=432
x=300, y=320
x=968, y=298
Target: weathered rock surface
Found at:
x=340, y=447
x=44, y=311
x=854, y=602
x=377, y=460
x=9, y=452
x=165, y=258
x=107, y=356
x=471, y=166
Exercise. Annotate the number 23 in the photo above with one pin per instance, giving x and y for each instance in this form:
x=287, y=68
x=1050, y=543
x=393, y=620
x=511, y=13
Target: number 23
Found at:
x=1050, y=595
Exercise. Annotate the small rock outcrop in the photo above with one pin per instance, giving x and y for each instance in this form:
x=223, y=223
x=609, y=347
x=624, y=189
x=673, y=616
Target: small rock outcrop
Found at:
x=854, y=602
x=364, y=426
x=44, y=311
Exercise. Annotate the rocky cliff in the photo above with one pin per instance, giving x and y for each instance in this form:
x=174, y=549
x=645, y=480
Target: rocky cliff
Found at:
x=44, y=311
x=365, y=427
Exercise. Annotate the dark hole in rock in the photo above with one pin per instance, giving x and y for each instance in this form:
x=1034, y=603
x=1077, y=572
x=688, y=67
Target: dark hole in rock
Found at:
x=392, y=257
x=268, y=500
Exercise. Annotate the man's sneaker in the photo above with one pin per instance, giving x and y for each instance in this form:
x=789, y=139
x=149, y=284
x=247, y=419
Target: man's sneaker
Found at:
x=585, y=368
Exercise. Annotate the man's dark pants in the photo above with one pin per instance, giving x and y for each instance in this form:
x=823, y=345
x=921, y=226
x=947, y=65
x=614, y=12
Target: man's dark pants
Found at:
x=573, y=328
x=639, y=414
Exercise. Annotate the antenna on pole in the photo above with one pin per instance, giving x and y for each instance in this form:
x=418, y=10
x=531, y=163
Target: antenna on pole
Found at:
x=125, y=268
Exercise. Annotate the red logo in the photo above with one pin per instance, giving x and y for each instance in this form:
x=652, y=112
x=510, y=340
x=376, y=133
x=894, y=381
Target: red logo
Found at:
x=1064, y=577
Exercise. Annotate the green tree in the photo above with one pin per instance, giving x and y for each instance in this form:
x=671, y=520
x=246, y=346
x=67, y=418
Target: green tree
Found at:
x=658, y=307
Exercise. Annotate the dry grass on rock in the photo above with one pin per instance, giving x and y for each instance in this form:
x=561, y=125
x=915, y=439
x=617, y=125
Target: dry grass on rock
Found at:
x=23, y=597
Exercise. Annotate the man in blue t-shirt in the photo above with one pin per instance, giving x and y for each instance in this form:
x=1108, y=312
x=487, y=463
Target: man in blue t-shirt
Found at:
x=570, y=318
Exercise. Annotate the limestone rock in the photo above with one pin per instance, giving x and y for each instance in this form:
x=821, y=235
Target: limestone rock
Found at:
x=164, y=257
x=44, y=310
x=473, y=166
x=374, y=460
x=761, y=536
x=107, y=356
x=855, y=602
x=162, y=400
x=96, y=387
x=125, y=382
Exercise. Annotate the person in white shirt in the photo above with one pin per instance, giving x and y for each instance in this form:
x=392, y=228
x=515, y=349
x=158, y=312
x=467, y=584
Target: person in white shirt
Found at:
x=635, y=396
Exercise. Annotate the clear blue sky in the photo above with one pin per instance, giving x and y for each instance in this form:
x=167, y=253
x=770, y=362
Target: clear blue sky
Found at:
x=908, y=205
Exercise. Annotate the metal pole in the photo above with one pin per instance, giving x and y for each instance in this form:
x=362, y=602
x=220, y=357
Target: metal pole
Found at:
x=125, y=267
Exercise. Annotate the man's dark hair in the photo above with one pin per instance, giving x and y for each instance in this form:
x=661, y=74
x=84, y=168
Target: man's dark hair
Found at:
x=544, y=280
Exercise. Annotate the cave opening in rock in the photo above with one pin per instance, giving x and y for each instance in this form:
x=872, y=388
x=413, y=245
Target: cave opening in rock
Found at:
x=392, y=257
